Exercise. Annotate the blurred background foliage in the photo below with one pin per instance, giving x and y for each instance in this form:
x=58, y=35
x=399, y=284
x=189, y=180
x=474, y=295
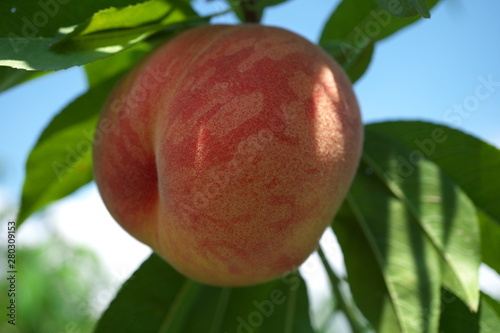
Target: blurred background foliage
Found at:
x=60, y=288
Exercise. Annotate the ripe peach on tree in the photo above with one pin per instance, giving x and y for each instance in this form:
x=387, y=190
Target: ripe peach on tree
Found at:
x=230, y=150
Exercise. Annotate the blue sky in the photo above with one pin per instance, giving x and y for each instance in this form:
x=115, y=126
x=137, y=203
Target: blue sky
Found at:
x=422, y=72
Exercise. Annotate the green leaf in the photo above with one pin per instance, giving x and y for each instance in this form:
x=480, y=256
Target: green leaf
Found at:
x=490, y=241
x=456, y=317
x=445, y=214
x=277, y=306
x=117, y=28
x=28, y=28
x=360, y=65
x=355, y=61
x=354, y=27
x=371, y=294
x=477, y=174
x=33, y=19
x=338, y=36
x=490, y=314
x=492, y=303
x=405, y=8
x=35, y=54
x=116, y=64
x=105, y=33
x=61, y=162
x=144, y=302
x=400, y=187
x=158, y=299
x=393, y=268
x=10, y=77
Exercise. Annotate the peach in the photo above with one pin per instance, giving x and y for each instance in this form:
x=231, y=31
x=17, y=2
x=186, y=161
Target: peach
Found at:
x=228, y=151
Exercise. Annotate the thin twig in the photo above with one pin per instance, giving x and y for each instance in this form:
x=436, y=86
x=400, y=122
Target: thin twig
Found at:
x=250, y=13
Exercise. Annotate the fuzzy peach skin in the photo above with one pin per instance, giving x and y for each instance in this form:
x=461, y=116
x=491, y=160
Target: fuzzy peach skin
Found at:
x=229, y=150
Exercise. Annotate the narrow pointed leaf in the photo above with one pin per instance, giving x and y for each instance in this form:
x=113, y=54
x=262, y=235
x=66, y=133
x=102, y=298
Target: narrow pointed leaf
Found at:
x=100, y=71
x=60, y=163
x=443, y=211
x=155, y=299
x=405, y=8
x=405, y=258
x=28, y=18
x=34, y=54
x=105, y=33
x=158, y=299
x=477, y=174
x=353, y=29
x=371, y=294
x=490, y=314
x=10, y=77
x=456, y=317
x=490, y=241
x=277, y=306
x=120, y=27
x=28, y=29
